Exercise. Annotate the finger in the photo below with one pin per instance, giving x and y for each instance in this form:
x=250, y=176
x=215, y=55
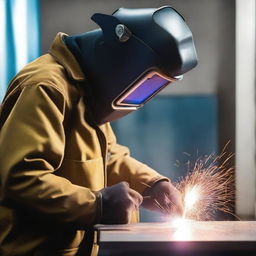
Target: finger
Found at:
x=179, y=209
x=176, y=207
x=177, y=200
x=171, y=204
x=160, y=207
x=137, y=197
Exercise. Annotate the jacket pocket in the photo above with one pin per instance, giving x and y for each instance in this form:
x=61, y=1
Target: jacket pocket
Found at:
x=88, y=173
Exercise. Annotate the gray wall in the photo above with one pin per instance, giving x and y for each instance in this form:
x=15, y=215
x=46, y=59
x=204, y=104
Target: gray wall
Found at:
x=212, y=23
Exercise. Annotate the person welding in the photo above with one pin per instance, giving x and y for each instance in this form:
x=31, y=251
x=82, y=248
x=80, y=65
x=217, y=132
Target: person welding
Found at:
x=61, y=169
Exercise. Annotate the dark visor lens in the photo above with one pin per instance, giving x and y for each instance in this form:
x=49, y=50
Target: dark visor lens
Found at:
x=145, y=90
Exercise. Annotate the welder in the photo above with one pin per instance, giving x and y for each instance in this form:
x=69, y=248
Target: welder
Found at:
x=61, y=169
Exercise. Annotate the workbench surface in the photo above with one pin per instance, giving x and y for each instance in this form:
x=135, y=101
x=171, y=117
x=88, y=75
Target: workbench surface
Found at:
x=178, y=237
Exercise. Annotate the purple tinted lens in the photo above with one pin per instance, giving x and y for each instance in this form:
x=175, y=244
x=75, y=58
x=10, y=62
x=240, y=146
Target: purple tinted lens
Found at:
x=145, y=90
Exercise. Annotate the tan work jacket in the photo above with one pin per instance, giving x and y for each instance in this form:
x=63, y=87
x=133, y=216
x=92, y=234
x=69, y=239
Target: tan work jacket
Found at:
x=53, y=158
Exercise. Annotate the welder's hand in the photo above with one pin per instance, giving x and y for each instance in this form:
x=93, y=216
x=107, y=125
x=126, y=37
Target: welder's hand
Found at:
x=164, y=197
x=118, y=202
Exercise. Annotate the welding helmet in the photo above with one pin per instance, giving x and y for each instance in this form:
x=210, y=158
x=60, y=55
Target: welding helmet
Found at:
x=133, y=56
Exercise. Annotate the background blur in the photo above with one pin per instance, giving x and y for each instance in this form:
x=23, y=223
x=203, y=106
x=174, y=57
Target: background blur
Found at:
x=213, y=104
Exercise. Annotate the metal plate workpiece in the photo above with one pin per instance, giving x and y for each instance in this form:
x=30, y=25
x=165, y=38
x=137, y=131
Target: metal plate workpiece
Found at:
x=179, y=237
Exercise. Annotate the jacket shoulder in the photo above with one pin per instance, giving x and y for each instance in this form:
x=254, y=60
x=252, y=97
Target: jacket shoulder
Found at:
x=46, y=71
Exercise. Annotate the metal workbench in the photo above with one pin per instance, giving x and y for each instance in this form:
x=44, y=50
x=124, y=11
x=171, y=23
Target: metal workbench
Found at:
x=193, y=238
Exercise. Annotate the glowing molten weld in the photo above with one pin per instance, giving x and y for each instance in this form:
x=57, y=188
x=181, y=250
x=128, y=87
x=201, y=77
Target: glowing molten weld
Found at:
x=191, y=196
x=182, y=229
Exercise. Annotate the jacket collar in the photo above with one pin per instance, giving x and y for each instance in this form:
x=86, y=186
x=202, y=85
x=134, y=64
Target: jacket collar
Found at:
x=63, y=55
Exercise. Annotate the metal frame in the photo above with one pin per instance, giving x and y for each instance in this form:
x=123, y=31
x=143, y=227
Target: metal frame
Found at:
x=245, y=109
x=117, y=103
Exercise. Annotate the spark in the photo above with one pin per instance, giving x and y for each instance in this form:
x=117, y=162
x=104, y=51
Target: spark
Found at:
x=192, y=195
x=208, y=187
x=177, y=163
x=186, y=153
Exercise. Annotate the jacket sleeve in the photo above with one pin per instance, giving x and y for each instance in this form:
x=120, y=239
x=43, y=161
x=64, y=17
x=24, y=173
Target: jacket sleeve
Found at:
x=122, y=167
x=32, y=140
